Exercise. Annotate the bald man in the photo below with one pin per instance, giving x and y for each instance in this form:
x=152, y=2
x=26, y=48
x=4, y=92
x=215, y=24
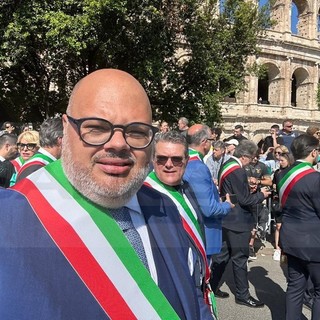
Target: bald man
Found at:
x=80, y=238
x=199, y=177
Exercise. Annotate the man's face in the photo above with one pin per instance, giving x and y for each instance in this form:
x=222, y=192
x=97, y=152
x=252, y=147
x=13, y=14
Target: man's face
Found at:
x=112, y=173
x=255, y=160
x=217, y=153
x=169, y=162
x=181, y=125
x=164, y=127
x=245, y=160
x=287, y=127
x=237, y=132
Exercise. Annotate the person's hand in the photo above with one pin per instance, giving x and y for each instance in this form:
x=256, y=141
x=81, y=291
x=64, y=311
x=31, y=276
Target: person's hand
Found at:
x=270, y=149
x=266, y=192
x=229, y=200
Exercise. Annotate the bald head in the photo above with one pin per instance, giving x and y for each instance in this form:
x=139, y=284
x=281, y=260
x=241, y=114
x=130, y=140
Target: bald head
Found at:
x=106, y=85
x=108, y=113
x=198, y=136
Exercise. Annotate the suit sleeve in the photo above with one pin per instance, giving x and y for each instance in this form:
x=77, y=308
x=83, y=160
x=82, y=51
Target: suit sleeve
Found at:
x=206, y=192
x=237, y=183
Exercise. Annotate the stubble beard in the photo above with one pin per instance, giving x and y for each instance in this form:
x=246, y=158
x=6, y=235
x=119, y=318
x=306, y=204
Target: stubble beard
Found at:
x=108, y=196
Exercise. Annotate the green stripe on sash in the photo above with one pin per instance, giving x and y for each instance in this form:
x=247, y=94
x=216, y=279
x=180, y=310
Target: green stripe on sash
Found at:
x=113, y=234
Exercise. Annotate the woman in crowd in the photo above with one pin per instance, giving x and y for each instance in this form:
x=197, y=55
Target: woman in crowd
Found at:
x=285, y=160
x=274, y=164
x=28, y=144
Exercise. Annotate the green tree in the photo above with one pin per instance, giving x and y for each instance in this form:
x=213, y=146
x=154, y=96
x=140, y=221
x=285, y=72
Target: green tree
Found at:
x=186, y=55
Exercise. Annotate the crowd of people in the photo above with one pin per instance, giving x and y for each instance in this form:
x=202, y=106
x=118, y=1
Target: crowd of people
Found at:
x=105, y=216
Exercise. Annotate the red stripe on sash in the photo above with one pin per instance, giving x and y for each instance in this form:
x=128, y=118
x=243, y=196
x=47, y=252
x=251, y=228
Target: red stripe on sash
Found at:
x=78, y=255
x=226, y=174
x=292, y=184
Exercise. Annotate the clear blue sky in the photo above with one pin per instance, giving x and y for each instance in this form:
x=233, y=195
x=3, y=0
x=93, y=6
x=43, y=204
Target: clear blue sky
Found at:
x=294, y=16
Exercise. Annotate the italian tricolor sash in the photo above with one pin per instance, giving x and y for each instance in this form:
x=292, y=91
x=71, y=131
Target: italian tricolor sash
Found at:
x=227, y=168
x=291, y=178
x=191, y=225
x=17, y=163
x=38, y=159
x=95, y=247
x=187, y=213
x=195, y=155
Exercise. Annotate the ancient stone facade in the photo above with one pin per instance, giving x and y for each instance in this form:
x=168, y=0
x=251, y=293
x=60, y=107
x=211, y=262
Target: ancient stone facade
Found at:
x=289, y=88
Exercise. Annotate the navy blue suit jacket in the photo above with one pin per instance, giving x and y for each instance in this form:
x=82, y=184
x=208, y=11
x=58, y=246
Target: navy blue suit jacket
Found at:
x=37, y=282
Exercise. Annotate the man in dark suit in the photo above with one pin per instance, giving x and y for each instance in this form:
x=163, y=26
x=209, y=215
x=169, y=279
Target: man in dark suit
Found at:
x=237, y=226
x=298, y=187
x=79, y=239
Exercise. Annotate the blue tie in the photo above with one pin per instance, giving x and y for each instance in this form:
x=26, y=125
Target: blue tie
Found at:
x=123, y=219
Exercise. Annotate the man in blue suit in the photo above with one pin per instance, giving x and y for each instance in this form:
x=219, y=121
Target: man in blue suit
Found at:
x=199, y=178
x=298, y=188
x=80, y=238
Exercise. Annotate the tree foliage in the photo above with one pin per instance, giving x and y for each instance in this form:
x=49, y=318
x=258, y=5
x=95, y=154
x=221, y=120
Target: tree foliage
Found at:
x=187, y=56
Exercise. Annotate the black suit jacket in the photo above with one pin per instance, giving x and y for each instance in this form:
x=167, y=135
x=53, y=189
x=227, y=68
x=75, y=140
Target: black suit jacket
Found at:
x=300, y=230
x=240, y=218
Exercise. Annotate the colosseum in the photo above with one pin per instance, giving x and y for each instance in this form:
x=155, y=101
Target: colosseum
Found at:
x=289, y=88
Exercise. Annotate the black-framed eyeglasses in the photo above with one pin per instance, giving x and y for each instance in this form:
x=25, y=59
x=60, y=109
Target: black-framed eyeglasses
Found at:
x=97, y=132
x=29, y=146
x=176, y=161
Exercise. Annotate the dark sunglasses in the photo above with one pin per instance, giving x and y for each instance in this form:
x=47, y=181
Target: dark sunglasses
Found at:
x=176, y=161
x=277, y=152
x=29, y=146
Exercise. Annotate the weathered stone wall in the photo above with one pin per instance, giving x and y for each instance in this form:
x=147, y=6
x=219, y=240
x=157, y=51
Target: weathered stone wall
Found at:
x=292, y=62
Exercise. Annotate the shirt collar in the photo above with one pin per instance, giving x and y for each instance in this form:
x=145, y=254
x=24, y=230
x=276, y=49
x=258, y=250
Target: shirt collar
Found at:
x=134, y=205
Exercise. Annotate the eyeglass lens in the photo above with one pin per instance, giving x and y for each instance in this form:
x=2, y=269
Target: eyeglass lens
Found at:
x=97, y=132
x=176, y=161
x=29, y=146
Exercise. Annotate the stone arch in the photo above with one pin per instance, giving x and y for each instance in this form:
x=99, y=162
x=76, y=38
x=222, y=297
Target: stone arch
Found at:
x=305, y=18
x=300, y=88
x=269, y=84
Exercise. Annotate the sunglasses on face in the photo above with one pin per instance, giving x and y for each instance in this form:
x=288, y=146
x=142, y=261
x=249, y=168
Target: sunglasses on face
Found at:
x=29, y=146
x=176, y=161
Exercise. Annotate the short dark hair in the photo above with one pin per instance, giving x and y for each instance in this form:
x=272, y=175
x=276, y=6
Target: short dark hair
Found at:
x=275, y=126
x=217, y=131
x=172, y=137
x=238, y=126
x=302, y=146
x=9, y=138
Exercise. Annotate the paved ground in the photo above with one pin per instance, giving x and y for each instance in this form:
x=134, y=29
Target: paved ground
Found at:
x=267, y=283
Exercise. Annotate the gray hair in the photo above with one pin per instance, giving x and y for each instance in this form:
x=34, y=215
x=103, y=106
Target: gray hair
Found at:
x=9, y=138
x=199, y=136
x=174, y=137
x=184, y=120
x=219, y=144
x=50, y=131
x=246, y=148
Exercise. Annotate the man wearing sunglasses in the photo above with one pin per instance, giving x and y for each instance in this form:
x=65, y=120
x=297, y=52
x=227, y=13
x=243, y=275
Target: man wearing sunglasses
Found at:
x=199, y=177
x=78, y=238
x=287, y=134
x=170, y=158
